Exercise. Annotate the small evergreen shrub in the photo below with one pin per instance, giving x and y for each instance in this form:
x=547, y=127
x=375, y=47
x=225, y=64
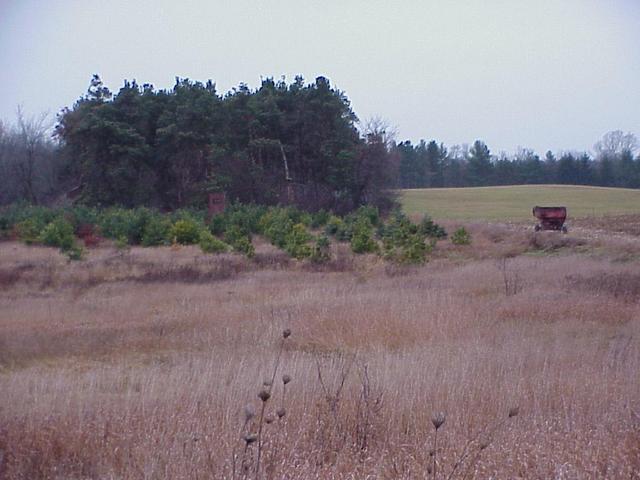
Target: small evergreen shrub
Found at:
x=233, y=234
x=58, y=233
x=185, y=232
x=461, y=237
x=116, y=223
x=334, y=225
x=239, y=241
x=25, y=221
x=320, y=218
x=41, y=216
x=428, y=228
x=321, y=250
x=245, y=217
x=197, y=216
x=276, y=225
x=28, y=230
x=405, y=242
x=210, y=244
x=122, y=243
x=398, y=229
x=297, y=242
x=370, y=213
x=243, y=245
x=218, y=224
x=305, y=218
x=156, y=231
x=83, y=217
x=341, y=228
x=75, y=253
x=415, y=250
x=362, y=238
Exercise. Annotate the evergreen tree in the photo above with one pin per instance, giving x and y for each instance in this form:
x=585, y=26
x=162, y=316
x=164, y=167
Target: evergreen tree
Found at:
x=410, y=169
x=435, y=164
x=479, y=166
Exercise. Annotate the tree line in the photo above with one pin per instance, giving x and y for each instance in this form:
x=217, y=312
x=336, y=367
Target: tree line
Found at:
x=281, y=143
x=432, y=165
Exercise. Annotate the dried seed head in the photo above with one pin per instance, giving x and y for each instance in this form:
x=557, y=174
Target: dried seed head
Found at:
x=249, y=438
x=249, y=412
x=286, y=333
x=281, y=412
x=432, y=452
x=286, y=378
x=264, y=395
x=438, y=419
x=513, y=411
x=269, y=419
x=429, y=469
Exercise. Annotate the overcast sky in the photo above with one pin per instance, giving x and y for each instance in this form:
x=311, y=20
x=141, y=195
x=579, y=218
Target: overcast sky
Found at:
x=544, y=74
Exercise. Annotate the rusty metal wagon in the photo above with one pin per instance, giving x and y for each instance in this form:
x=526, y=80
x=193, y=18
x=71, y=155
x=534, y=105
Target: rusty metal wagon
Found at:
x=550, y=218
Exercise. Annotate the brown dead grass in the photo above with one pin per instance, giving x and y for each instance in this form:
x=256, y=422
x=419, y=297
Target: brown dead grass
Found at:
x=138, y=365
x=626, y=224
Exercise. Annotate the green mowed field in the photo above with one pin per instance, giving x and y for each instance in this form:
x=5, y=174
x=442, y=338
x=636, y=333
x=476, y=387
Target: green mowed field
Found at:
x=514, y=203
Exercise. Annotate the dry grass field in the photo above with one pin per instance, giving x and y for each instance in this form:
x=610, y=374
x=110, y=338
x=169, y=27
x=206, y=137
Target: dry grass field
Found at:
x=141, y=364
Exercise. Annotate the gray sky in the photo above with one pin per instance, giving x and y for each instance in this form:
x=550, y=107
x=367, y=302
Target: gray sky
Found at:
x=535, y=73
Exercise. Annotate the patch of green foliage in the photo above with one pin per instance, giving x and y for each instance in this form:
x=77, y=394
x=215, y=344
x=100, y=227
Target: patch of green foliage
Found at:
x=276, y=225
x=27, y=221
x=321, y=250
x=362, y=240
x=336, y=227
x=76, y=252
x=415, y=250
x=118, y=222
x=246, y=217
x=58, y=233
x=243, y=245
x=405, y=242
x=82, y=216
x=368, y=212
x=185, y=232
x=218, y=223
x=210, y=244
x=320, y=218
x=395, y=237
x=29, y=230
x=461, y=237
x=297, y=242
x=429, y=228
x=156, y=231
x=122, y=243
x=398, y=229
x=239, y=240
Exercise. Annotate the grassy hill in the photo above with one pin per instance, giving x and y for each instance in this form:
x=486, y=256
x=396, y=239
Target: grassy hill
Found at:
x=514, y=203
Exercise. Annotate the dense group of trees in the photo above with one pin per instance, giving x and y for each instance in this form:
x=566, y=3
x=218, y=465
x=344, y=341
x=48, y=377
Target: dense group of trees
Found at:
x=433, y=165
x=277, y=144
